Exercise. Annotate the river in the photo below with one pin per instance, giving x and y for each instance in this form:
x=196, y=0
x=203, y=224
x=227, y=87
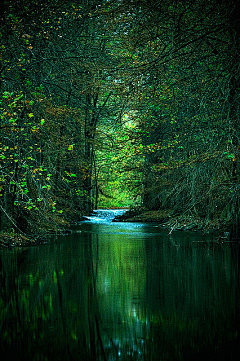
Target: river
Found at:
x=121, y=291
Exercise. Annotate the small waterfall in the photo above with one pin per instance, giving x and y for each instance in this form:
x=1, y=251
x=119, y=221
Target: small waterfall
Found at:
x=104, y=215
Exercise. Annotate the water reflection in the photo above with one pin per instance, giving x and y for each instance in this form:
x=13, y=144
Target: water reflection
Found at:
x=121, y=283
x=120, y=292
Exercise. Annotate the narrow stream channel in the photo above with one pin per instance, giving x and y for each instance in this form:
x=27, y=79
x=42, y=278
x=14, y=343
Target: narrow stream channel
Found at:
x=121, y=291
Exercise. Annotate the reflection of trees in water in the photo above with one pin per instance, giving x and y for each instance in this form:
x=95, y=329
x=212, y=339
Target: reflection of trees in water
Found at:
x=49, y=309
x=121, y=291
x=61, y=302
x=117, y=299
x=191, y=300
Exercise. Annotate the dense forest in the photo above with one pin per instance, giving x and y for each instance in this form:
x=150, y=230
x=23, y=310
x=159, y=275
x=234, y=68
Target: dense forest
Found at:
x=118, y=103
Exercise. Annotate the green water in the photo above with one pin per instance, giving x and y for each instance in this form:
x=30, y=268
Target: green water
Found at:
x=121, y=291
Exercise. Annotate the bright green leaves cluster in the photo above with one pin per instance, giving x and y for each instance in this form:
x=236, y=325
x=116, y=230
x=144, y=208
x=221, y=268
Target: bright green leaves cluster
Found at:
x=19, y=152
x=117, y=165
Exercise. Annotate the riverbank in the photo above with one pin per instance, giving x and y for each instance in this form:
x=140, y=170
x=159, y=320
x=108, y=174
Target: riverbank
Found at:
x=171, y=222
x=9, y=240
x=164, y=219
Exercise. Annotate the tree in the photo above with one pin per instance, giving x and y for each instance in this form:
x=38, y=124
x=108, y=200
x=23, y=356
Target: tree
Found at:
x=185, y=70
x=55, y=77
x=158, y=78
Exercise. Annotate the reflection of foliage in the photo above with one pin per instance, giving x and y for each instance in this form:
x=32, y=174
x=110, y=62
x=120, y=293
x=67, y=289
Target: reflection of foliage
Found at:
x=125, y=272
x=193, y=339
x=115, y=295
x=120, y=289
x=38, y=318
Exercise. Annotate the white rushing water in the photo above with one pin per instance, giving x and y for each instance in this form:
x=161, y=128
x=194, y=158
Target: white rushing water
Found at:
x=104, y=215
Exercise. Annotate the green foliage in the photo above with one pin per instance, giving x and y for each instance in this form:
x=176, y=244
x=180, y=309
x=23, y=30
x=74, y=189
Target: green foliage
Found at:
x=117, y=109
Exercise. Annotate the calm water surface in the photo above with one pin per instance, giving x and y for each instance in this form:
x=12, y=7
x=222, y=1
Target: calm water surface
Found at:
x=121, y=291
